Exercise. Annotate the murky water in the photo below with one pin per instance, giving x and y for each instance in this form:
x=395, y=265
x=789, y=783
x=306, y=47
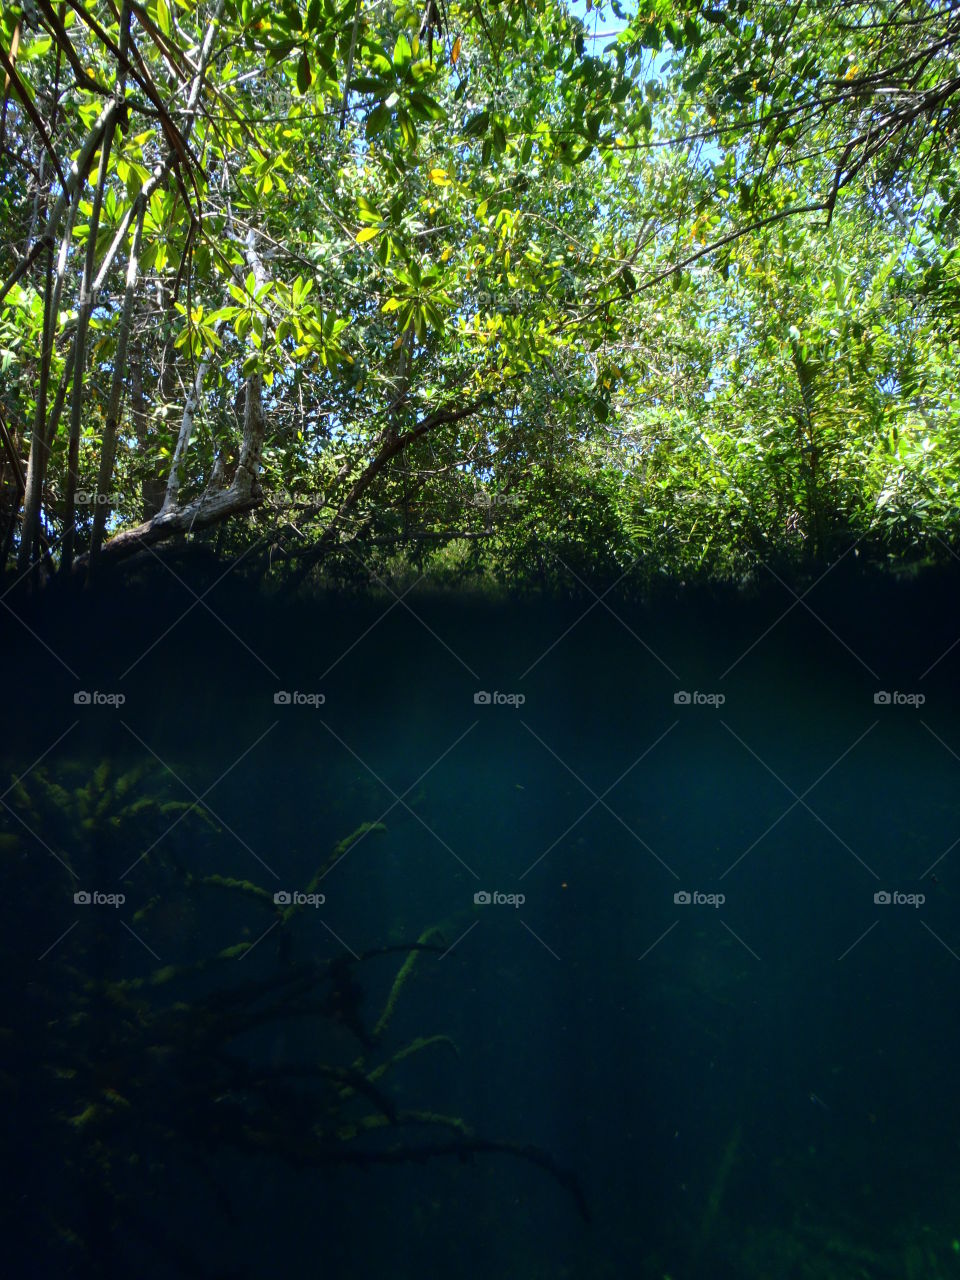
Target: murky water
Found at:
x=641, y=851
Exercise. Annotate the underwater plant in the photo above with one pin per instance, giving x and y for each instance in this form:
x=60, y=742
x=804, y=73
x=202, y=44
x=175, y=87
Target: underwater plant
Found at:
x=128, y=1071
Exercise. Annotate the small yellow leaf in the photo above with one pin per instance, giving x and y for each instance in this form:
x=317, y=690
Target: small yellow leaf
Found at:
x=455, y=51
x=368, y=233
x=439, y=176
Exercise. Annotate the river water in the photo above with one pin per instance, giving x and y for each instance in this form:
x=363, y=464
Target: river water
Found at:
x=685, y=882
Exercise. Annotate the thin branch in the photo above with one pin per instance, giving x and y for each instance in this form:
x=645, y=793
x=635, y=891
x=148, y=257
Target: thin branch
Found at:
x=13, y=78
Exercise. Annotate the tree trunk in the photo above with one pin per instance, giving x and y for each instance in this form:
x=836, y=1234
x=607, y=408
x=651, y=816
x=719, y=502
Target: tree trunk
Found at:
x=80, y=351
x=109, y=447
x=391, y=445
x=41, y=438
x=152, y=487
x=75, y=179
x=183, y=439
x=216, y=504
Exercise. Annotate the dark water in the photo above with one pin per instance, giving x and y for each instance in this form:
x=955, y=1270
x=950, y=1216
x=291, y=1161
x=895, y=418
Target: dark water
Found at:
x=761, y=1087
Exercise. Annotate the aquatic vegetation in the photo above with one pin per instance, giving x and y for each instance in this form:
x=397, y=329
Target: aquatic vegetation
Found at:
x=718, y=1190
x=135, y=1068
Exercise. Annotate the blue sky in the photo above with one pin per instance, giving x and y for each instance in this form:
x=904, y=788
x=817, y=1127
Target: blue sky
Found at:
x=604, y=24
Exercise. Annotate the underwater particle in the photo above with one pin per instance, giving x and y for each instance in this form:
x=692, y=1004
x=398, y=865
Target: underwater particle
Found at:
x=563, y=884
x=955, y=1246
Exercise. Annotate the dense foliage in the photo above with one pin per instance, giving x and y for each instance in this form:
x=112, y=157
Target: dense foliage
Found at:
x=492, y=292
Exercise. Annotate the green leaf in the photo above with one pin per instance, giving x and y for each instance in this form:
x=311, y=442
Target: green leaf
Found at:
x=477, y=124
x=427, y=107
x=368, y=212
x=432, y=314
x=407, y=129
x=163, y=18
x=303, y=73
x=377, y=121
x=402, y=53
x=368, y=84
x=627, y=282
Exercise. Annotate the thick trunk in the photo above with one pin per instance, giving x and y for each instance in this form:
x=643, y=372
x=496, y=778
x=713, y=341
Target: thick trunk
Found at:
x=209, y=509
